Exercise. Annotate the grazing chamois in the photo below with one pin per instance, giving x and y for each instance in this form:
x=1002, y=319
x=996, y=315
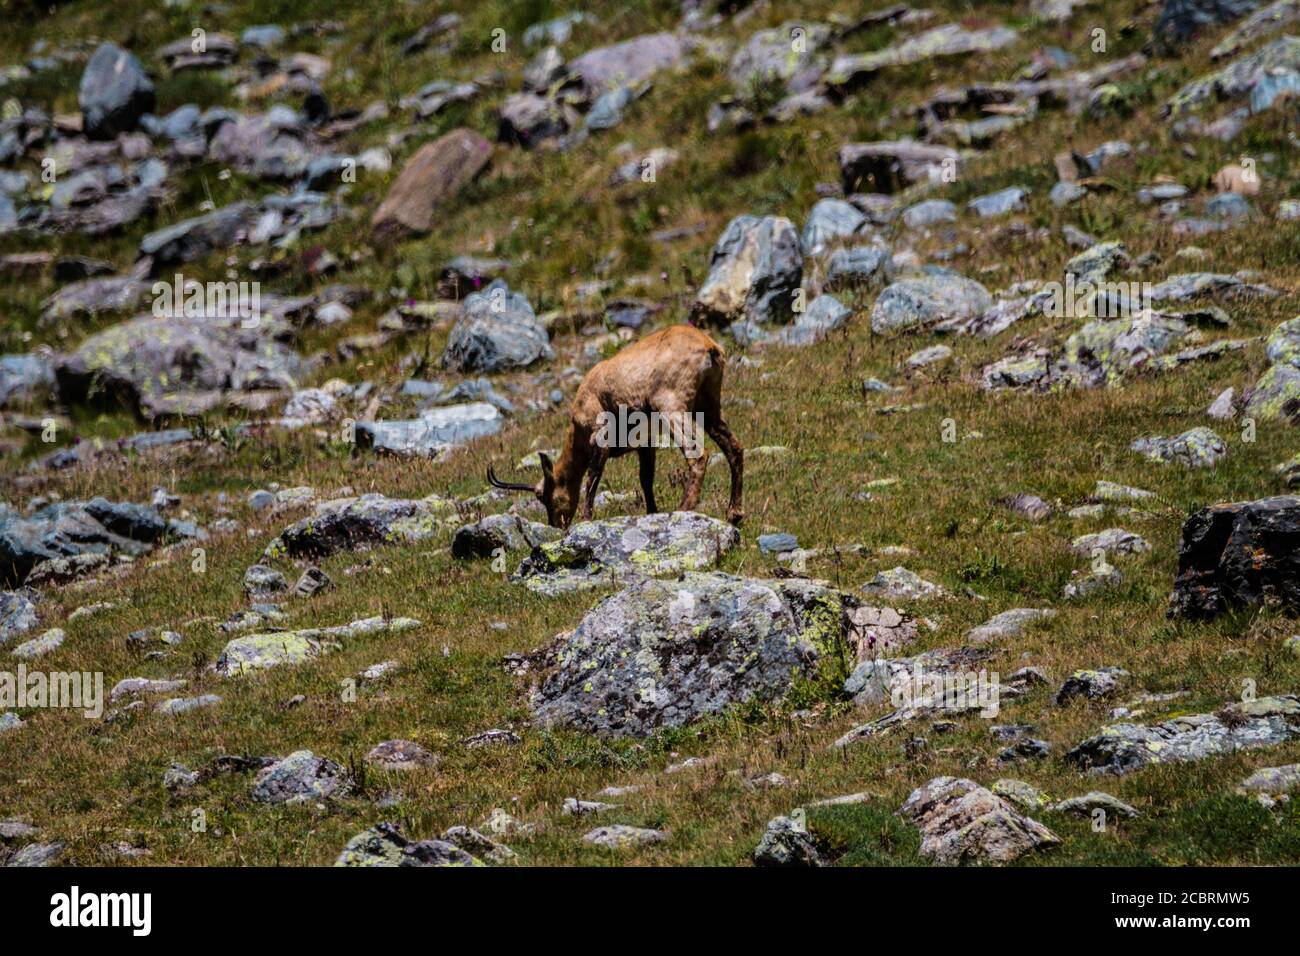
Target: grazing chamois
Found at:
x=671, y=380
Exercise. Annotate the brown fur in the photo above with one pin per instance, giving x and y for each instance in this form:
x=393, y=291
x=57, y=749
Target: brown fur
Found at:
x=675, y=371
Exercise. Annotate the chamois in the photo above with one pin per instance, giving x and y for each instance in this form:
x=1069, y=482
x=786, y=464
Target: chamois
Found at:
x=676, y=373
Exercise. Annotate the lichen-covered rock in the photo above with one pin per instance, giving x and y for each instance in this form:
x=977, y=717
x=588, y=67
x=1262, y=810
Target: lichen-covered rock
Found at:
x=498, y=331
x=184, y=364
x=1121, y=748
x=620, y=836
x=627, y=63
x=17, y=614
x=1110, y=542
x=1008, y=624
x=1239, y=554
x=1276, y=394
x=300, y=777
x=901, y=585
x=962, y=822
x=1096, y=800
x=478, y=845
x=785, y=58
x=383, y=845
x=1235, y=81
x=1197, y=447
x=600, y=553
x=754, y=271
x=345, y=524
x=911, y=304
x=1103, y=351
x=787, y=843
x=666, y=653
x=255, y=652
x=1025, y=796
x=509, y=532
x=1273, y=780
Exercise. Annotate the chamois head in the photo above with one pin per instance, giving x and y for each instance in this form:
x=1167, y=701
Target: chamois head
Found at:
x=559, y=503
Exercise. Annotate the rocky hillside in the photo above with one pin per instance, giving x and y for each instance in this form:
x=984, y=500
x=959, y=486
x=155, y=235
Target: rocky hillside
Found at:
x=1007, y=293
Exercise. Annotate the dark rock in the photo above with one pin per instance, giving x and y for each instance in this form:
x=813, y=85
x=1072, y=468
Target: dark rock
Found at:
x=1180, y=20
x=508, y=532
x=1239, y=554
x=74, y=528
x=888, y=167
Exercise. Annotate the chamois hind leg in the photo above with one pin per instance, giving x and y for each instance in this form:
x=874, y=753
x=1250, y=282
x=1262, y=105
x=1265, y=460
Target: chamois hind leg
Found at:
x=599, y=455
x=734, y=452
x=646, y=464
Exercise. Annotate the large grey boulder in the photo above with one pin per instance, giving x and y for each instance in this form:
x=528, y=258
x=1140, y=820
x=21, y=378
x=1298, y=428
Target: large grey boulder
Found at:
x=784, y=59
x=829, y=220
x=346, y=524
x=70, y=529
x=604, y=552
x=667, y=653
x=1238, y=554
x=1122, y=748
x=436, y=430
x=627, y=63
x=962, y=822
x=115, y=92
x=183, y=364
x=911, y=304
x=497, y=331
x=194, y=238
x=754, y=271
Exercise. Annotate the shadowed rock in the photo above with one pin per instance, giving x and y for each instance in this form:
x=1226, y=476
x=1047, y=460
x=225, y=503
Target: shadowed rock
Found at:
x=1238, y=554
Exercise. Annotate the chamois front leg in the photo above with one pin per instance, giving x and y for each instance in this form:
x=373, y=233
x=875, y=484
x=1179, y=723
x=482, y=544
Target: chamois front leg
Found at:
x=599, y=455
x=646, y=463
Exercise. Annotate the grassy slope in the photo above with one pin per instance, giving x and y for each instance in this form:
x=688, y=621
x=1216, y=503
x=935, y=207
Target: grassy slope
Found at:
x=553, y=215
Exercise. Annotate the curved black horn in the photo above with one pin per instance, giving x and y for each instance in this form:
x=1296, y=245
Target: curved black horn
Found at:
x=496, y=482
